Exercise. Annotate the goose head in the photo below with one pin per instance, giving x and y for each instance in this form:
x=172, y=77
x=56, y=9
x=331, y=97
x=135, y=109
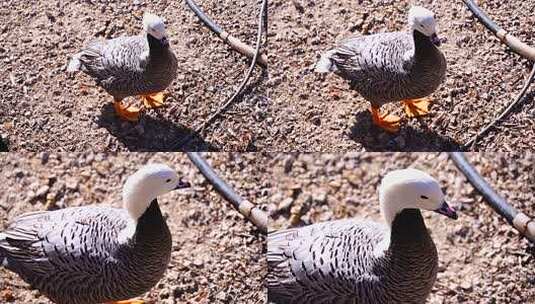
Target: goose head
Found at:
x=154, y=26
x=423, y=21
x=411, y=189
x=147, y=184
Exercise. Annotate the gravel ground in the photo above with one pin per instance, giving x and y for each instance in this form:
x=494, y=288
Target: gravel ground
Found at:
x=217, y=256
x=320, y=113
x=44, y=109
x=481, y=258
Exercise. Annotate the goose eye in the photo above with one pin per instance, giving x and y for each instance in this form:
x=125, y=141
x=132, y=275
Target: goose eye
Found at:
x=424, y=197
x=168, y=180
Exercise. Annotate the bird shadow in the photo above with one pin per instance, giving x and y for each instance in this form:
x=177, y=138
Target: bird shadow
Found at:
x=408, y=139
x=152, y=134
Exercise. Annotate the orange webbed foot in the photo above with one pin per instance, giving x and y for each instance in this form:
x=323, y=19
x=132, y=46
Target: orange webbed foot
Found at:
x=153, y=101
x=129, y=113
x=417, y=107
x=387, y=122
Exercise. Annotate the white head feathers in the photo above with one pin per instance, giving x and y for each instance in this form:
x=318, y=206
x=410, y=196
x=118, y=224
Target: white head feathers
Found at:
x=147, y=184
x=408, y=188
x=154, y=25
x=422, y=20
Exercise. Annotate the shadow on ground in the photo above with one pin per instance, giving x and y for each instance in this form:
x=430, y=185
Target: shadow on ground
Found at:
x=3, y=145
x=152, y=134
x=374, y=139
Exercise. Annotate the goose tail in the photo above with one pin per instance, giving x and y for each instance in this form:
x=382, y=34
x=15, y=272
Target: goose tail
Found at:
x=75, y=64
x=325, y=64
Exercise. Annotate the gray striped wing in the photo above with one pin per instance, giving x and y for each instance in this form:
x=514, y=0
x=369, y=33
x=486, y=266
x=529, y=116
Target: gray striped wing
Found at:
x=117, y=64
x=331, y=262
x=63, y=248
x=377, y=65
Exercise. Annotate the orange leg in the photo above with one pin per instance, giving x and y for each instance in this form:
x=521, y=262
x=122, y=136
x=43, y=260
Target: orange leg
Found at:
x=129, y=113
x=153, y=101
x=417, y=107
x=387, y=122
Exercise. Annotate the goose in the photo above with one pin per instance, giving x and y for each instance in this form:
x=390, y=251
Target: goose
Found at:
x=358, y=260
x=96, y=254
x=390, y=67
x=141, y=65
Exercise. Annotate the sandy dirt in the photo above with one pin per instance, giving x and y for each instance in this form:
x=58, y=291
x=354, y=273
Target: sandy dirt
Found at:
x=320, y=113
x=481, y=258
x=44, y=109
x=217, y=257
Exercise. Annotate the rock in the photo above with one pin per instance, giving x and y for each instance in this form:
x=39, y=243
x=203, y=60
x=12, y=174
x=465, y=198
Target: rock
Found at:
x=198, y=262
x=72, y=184
x=44, y=157
x=320, y=197
x=466, y=285
x=18, y=173
x=7, y=295
x=41, y=193
x=285, y=204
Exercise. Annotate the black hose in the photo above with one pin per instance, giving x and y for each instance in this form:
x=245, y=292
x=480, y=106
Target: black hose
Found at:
x=204, y=18
x=483, y=17
x=220, y=186
x=497, y=202
x=471, y=143
x=254, y=214
x=234, y=42
x=513, y=42
x=255, y=55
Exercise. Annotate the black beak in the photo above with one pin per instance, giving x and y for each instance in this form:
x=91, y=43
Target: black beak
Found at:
x=182, y=185
x=446, y=210
x=435, y=40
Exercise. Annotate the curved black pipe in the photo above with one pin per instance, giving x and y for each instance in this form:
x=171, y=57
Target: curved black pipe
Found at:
x=513, y=42
x=204, y=18
x=220, y=186
x=254, y=214
x=497, y=202
x=234, y=42
x=482, y=16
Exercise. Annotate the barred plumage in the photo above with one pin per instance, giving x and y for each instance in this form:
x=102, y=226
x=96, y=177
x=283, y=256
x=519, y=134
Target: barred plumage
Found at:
x=87, y=255
x=360, y=261
x=128, y=66
x=388, y=67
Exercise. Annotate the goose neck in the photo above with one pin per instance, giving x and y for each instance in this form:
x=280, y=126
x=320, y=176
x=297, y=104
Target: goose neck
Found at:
x=156, y=46
x=408, y=227
x=151, y=221
x=423, y=45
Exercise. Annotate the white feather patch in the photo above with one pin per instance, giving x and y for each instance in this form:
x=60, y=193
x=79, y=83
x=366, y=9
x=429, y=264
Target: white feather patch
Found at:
x=325, y=64
x=422, y=20
x=127, y=233
x=144, y=186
